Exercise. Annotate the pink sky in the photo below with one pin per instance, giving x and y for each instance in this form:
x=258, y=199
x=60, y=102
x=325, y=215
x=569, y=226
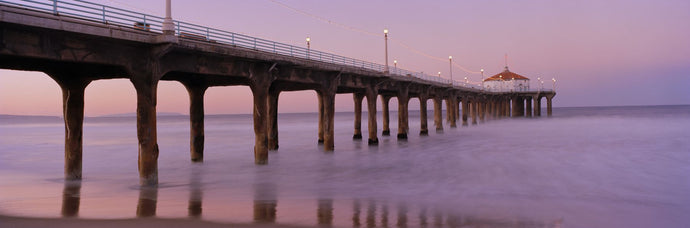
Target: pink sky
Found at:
x=600, y=52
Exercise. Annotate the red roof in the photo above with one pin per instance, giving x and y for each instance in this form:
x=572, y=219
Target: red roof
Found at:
x=506, y=75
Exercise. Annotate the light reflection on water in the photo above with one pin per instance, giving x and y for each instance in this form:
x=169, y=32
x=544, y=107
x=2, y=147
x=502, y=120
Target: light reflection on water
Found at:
x=582, y=168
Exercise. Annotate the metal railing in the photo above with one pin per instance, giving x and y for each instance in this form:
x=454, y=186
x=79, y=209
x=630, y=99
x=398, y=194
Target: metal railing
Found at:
x=146, y=22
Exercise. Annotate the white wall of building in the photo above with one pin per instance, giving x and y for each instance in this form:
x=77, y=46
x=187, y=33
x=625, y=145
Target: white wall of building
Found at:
x=507, y=85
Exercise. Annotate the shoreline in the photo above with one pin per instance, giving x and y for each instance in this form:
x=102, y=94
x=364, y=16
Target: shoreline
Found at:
x=153, y=222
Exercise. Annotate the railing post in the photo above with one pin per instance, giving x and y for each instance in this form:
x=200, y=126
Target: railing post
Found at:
x=291, y=50
x=232, y=38
x=104, y=21
x=178, y=28
x=55, y=12
x=254, y=43
x=208, y=35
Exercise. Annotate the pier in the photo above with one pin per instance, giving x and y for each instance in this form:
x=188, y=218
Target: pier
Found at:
x=76, y=44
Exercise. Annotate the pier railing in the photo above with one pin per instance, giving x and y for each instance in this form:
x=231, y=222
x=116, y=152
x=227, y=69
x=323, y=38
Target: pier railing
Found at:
x=127, y=18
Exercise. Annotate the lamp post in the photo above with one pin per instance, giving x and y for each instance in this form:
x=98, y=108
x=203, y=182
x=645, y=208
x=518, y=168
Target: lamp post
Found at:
x=168, y=25
x=308, y=46
x=395, y=66
x=554, y=84
x=385, y=38
x=482, y=71
x=450, y=59
x=439, y=74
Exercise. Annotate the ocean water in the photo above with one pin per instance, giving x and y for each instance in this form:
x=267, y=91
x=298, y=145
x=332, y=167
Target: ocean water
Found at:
x=583, y=167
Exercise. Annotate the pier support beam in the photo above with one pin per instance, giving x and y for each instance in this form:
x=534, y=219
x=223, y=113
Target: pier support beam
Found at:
x=403, y=123
x=196, y=120
x=549, y=109
x=146, y=86
x=273, y=95
x=438, y=114
x=73, y=87
x=537, y=105
x=508, y=110
x=320, y=120
x=371, y=95
x=328, y=98
x=451, y=107
x=260, y=79
x=386, y=117
x=465, y=110
x=358, y=97
x=423, y=126
x=474, y=111
x=481, y=110
x=528, y=106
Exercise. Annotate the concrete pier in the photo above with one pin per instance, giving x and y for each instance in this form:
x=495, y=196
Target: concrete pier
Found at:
x=196, y=120
x=438, y=114
x=528, y=106
x=272, y=133
x=465, y=110
x=76, y=51
x=386, y=117
x=549, y=109
x=403, y=123
x=537, y=105
x=452, y=107
x=474, y=110
x=423, y=127
x=73, y=88
x=358, y=97
x=146, y=127
x=328, y=98
x=371, y=95
x=320, y=117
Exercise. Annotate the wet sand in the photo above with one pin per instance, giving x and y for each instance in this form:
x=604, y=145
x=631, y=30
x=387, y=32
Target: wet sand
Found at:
x=24, y=222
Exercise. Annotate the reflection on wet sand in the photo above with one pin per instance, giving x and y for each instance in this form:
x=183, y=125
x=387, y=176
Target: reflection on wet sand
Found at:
x=265, y=210
x=148, y=197
x=324, y=212
x=71, y=199
x=265, y=203
x=195, y=195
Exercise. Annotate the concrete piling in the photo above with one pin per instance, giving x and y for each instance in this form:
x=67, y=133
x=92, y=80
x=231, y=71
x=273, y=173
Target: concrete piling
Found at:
x=403, y=123
x=549, y=108
x=438, y=114
x=452, y=111
x=358, y=97
x=371, y=95
x=146, y=128
x=423, y=128
x=273, y=95
x=465, y=110
x=386, y=117
x=196, y=119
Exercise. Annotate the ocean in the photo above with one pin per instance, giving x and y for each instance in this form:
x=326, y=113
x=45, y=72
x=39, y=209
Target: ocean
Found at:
x=583, y=167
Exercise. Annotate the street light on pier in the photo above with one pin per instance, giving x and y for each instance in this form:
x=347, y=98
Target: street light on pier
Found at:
x=395, y=65
x=308, y=46
x=554, y=84
x=439, y=74
x=482, y=71
x=385, y=38
x=450, y=58
x=168, y=26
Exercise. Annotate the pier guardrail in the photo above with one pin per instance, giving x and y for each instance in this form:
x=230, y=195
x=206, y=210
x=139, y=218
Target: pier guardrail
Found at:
x=127, y=18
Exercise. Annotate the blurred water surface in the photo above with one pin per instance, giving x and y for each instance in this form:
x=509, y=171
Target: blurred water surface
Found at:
x=584, y=167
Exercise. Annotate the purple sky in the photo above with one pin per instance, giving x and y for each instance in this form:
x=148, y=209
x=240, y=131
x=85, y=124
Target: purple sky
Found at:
x=600, y=52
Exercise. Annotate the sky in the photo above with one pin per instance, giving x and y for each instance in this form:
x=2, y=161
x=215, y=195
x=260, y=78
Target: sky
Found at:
x=601, y=53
